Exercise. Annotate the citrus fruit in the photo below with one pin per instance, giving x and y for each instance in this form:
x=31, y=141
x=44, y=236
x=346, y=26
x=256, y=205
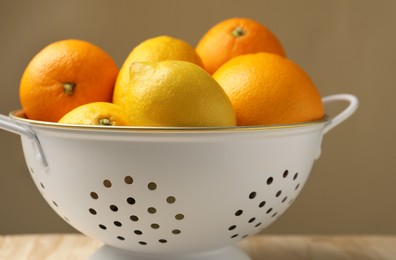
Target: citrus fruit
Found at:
x=96, y=113
x=266, y=89
x=175, y=94
x=153, y=50
x=65, y=75
x=234, y=37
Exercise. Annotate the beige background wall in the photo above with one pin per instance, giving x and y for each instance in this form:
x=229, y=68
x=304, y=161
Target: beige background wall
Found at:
x=346, y=46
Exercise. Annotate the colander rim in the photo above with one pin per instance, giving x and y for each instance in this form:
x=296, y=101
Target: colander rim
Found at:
x=20, y=116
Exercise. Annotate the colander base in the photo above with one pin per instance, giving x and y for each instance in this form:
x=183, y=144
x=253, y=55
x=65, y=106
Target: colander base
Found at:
x=229, y=253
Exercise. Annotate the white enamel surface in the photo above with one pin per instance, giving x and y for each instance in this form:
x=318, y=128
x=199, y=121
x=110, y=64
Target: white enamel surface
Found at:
x=211, y=176
x=193, y=192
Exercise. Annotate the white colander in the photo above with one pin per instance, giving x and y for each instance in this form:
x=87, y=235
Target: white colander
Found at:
x=171, y=193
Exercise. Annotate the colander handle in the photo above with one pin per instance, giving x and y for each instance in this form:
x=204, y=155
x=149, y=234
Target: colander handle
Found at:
x=10, y=125
x=347, y=112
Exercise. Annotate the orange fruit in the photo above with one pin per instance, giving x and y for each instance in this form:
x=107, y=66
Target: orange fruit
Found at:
x=155, y=49
x=234, y=37
x=267, y=89
x=65, y=75
x=96, y=113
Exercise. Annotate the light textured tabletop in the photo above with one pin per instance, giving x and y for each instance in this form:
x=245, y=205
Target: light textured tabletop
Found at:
x=268, y=247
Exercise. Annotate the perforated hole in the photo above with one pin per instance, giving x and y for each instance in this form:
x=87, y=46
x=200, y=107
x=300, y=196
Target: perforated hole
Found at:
x=179, y=216
x=171, y=199
x=114, y=208
x=152, y=186
x=155, y=226
x=102, y=226
x=107, y=183
x=117, y=223
x=270, y=180
x=94, y=195
x=128, y=180
x=134, y=218
x=252, y=195
x=131, y=200
x=238, y=212
x=92, y=211
x=176, y=231
x=152, y=210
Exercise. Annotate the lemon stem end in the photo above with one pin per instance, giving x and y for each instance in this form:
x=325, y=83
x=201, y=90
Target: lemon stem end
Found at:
x=104, y=121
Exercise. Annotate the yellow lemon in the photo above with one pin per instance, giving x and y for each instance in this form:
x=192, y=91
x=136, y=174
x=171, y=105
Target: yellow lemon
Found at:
x=153, y=50
x=175, y=94
x=96, y=113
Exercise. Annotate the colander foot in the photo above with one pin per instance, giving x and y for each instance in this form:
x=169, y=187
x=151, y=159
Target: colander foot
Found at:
x=229, y=253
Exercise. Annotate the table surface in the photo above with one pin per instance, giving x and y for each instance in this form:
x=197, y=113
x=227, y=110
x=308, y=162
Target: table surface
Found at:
x=268, y=247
